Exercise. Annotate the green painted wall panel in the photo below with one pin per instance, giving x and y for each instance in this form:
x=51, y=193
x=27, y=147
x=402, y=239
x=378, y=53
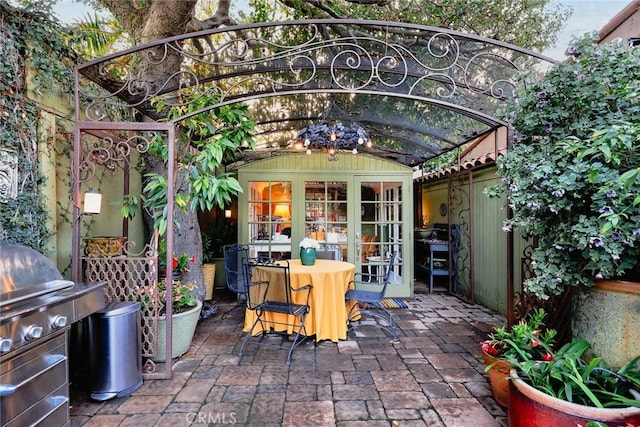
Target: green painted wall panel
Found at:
x=489, y=244
x=318, y=162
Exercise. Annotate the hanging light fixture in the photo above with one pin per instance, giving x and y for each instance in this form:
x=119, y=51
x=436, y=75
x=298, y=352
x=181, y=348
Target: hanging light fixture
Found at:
x=332, y=138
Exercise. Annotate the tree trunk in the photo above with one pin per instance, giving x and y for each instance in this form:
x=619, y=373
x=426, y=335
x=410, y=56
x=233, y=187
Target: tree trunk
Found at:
x=167, y=19
x=187, y=240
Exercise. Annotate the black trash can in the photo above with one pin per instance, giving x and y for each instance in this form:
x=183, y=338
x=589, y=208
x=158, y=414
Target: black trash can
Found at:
x=115, y=357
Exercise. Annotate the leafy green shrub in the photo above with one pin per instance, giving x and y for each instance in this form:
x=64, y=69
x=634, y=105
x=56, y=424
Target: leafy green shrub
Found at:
x=572, y=175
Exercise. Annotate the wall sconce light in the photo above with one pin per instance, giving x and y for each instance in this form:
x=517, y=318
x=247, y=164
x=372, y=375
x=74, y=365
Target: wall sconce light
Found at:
x=227, y=213
x=92, y=202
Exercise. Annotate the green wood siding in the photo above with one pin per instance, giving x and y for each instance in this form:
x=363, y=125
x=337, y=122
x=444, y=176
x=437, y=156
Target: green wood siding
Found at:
x=318, y=162
x=489, y=244
x=489, y=250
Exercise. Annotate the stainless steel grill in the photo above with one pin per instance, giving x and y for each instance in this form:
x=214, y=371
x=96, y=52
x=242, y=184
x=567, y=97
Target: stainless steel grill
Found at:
x=37, y=308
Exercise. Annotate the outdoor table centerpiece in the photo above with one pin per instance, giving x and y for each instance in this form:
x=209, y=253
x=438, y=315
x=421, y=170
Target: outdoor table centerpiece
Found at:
x=308, y=248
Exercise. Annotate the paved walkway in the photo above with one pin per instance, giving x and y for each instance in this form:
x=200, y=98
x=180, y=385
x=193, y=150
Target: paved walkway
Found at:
x=432, y=377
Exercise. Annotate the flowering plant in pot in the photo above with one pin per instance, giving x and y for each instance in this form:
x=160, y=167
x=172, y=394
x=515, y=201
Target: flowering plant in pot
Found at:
x=572, y=176
x=308, y=248
x=569, y=390
x=526, y=340
x=186, y=308
x=184, y=296
x=309, y=243
x=179, y=263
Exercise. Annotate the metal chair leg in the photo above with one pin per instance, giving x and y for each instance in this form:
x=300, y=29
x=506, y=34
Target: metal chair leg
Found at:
x=299, y=339
x=390, y=330
x=247, y=337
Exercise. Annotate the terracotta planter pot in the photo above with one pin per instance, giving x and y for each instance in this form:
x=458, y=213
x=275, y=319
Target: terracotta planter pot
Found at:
x=183, y=326
x=608, y=316
x=529, y=407
x=498, y=377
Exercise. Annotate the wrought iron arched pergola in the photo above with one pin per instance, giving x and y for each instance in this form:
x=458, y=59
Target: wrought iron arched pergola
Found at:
x=419, y=91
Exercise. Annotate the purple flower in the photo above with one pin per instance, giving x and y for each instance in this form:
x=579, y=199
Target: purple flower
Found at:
x=548, y=127
x=541, y=104
x=597, y=242
x=553, y=209
x=606, y=210
x=599, y=276
x=541, y=95
x=558, y=193
x=581, y=77
x=610, y=193
x=617, y=237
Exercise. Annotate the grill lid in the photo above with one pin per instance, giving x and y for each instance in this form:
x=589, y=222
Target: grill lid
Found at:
x=26, y=273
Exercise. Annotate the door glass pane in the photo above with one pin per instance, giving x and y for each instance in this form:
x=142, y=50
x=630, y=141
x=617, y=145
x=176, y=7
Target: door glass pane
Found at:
x=325, y=208
x=270, y=218
x=381, y=227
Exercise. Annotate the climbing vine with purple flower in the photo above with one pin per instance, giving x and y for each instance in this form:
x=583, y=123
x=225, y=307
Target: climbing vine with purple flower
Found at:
x=572, y=177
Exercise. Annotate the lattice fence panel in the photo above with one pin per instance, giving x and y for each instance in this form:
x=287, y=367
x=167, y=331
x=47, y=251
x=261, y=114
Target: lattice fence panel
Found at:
x=126, y=278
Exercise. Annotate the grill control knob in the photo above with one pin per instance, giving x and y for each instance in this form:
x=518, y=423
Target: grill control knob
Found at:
x=59, y=322
x=33, y=332
x=5, y=344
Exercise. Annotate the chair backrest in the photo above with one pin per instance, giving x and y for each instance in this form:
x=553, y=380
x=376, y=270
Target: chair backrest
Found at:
x=387, y=274
x=233, y=256
x=389, y=268
x=326, y=251
x=272, y=283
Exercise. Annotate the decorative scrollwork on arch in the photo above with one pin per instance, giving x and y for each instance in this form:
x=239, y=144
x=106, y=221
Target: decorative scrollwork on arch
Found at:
x=352, y=55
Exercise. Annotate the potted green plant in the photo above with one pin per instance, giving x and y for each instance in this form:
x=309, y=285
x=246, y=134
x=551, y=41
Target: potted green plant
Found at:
x=572, y=180
x=185, y=314
x=526, y=340
x=179, y=263
x=567, y=390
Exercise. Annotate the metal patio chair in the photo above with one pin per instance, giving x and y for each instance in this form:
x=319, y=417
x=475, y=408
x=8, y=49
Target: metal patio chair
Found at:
x=368, y=295
x=236, y=278
x=275, y=296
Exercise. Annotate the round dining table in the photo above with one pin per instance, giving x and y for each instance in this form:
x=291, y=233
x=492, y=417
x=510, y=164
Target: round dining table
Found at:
x=327, y=317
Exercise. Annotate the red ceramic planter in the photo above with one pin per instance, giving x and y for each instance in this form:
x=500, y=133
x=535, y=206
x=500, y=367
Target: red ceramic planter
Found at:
x=529, y=407
x=499, y=378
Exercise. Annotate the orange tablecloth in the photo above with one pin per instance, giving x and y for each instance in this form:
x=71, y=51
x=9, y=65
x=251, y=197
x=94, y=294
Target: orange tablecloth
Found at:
x=327, y=317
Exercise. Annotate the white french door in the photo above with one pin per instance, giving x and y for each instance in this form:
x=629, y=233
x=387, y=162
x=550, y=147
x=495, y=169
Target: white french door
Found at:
x=382, y=225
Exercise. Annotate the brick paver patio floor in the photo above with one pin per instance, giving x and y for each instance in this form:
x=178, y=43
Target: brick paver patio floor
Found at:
x=433, y=377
